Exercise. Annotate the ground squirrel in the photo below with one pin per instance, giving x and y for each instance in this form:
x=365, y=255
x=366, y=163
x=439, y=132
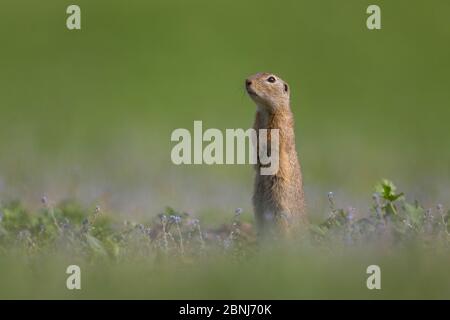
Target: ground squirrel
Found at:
x=278, y=199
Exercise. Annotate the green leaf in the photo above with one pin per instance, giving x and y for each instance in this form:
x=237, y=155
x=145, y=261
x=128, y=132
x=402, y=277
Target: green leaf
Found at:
x=316, y=229
x=387, y=190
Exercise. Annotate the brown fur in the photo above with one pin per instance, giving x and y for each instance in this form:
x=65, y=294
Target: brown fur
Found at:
x=278, y=199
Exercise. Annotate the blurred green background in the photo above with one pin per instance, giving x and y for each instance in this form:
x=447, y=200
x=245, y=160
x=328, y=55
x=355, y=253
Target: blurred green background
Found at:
x=88, y=114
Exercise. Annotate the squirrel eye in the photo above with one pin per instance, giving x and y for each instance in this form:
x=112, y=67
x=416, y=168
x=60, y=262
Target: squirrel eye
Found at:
x=271, y=79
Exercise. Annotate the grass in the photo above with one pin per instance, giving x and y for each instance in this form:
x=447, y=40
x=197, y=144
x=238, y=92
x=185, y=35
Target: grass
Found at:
x=177, y=256
x=87, y=116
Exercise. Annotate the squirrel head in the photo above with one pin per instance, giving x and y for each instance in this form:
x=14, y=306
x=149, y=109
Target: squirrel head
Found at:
x=268, y=91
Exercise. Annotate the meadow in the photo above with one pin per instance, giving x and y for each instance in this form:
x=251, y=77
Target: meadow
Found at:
x=85, y=171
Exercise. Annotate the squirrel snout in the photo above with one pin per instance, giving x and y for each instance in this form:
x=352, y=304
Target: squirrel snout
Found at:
x=248, y=83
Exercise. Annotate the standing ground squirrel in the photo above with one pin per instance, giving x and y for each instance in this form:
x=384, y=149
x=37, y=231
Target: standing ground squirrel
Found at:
x=278, y=199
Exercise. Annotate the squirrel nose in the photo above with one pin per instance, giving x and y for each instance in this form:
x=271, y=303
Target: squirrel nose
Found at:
x=248, y=83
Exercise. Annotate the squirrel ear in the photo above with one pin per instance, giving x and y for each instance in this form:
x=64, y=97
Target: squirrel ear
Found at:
x=286, y=88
